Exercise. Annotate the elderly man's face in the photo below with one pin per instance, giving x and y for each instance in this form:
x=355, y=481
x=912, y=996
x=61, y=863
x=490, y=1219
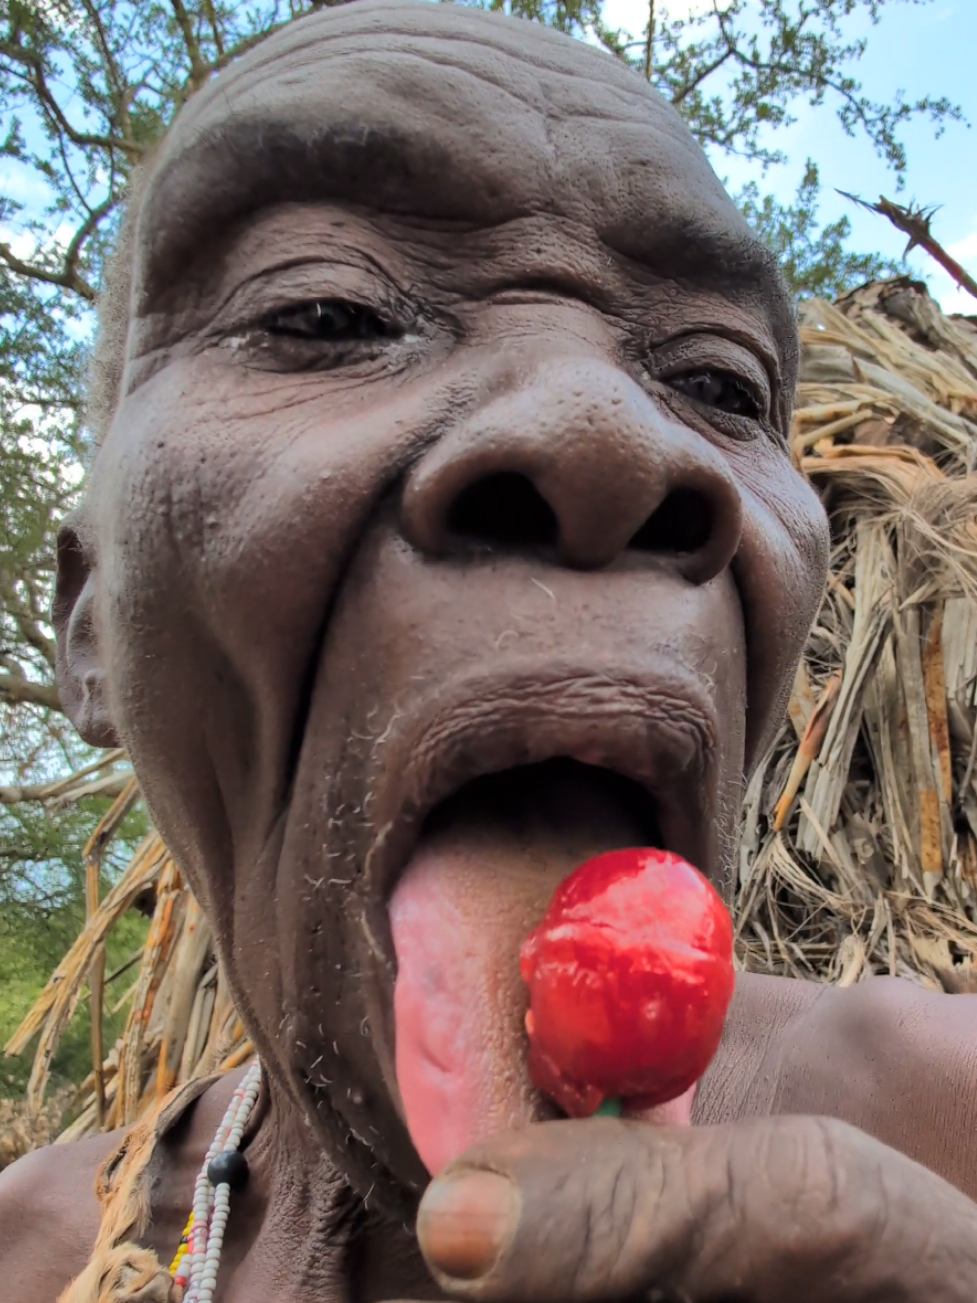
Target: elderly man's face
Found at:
x=445, y=535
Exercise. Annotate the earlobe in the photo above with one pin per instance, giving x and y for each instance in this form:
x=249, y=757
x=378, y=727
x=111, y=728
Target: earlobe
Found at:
x=80, y=673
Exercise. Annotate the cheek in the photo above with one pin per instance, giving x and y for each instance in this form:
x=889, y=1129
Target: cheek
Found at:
x=781, y=571
x=224, y=514
x=803, y=525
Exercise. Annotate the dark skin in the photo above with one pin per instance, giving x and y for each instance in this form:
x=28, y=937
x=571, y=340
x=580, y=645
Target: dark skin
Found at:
x=397, y=252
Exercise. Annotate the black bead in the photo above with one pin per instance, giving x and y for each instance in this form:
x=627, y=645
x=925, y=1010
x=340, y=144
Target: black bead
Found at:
x=229, y=1168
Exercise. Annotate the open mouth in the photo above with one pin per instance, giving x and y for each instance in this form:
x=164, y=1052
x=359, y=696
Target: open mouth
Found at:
x=559, y=798
x=480, y=877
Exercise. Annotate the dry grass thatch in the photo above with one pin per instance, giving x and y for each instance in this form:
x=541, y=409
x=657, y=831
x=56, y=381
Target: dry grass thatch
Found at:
x=859, y=850
x=860, y=832
x=22, y=1130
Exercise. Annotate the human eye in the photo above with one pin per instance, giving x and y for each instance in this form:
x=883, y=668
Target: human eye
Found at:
x=319, y=334
x=328, y=321
x=719, y=380
x=719, y=389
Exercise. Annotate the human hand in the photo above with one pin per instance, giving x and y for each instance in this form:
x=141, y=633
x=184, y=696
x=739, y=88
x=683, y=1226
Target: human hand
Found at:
x=784, y=1208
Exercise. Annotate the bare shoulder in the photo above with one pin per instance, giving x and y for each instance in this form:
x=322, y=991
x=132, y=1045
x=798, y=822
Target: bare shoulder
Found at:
x=49, y=1217
x=887, y=1056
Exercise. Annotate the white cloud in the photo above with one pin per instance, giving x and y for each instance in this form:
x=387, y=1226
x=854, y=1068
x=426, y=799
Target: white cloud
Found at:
x=964, y=250
x=21, y=244
x=17, y=182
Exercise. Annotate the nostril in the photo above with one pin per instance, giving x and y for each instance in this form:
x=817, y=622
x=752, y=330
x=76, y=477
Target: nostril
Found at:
x=682, y=523
x=504, y=509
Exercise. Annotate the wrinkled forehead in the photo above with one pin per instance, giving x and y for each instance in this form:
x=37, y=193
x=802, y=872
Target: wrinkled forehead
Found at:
x=449, y=114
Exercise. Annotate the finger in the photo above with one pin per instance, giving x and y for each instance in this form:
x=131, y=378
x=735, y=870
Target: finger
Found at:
x=798, y=1208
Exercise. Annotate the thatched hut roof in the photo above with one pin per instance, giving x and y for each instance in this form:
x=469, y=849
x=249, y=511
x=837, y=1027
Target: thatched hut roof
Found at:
x=859, y=850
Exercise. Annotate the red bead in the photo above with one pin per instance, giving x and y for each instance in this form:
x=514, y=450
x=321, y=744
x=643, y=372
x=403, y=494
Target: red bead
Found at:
x=630, y=977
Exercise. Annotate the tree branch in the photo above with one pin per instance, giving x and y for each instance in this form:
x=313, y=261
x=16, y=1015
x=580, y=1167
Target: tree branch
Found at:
x=32, y=634
x=66, y=279
x=650, y=39
x=199, y=71
x=915, y=222
x=34, y=75
x=16, y=690
x=214, y=27
x=112, y=785
x=87, y=228
x=120, y=90
x=685, y=91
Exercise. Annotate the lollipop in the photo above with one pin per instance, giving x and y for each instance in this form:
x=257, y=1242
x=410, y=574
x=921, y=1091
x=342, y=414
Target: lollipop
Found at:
x=630, y=976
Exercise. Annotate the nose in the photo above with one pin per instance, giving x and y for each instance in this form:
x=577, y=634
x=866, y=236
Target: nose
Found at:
x=582, y=463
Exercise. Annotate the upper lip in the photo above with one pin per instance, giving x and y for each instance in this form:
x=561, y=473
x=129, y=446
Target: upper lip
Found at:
x=657, y=727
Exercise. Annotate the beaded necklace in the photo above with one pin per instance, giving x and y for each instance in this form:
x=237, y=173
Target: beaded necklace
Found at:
x=194, y=1269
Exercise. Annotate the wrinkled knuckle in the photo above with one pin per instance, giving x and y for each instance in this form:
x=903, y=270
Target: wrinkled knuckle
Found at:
x=819, y=1180
x=805, y=1163
x=644, y=1216
x=612, y=1215
x=870, y=1180
x=696, y=1219
x=781, y=1175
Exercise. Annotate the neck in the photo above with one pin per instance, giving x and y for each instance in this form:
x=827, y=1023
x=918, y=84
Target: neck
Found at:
x=299, y=1231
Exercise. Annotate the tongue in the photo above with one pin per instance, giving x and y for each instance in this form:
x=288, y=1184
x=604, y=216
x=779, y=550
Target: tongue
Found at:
x=458, y=919
x=480, y=880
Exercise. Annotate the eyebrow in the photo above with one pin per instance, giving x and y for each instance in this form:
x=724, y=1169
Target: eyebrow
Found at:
x=243, y=164
x=693, y=250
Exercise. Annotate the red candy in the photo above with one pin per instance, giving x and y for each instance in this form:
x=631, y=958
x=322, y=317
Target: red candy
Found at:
x=630, y=976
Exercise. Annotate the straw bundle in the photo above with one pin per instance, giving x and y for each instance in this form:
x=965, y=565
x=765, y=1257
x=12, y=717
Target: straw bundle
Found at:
x=21, y=1131
x=859, y=848
x=859, y=851
x=181, y=1022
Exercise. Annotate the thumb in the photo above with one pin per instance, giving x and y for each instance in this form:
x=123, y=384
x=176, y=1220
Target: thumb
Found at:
x=799, y=1208
x=562, y=1211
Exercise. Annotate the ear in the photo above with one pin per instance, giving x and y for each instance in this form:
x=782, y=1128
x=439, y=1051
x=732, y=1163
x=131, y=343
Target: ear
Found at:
x=80, y=673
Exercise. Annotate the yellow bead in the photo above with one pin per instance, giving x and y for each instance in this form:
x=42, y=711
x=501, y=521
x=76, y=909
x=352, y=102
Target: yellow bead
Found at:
x=181, y=1252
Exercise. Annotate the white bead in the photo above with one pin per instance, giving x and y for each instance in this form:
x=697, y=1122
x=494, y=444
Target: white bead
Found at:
x=211, y=1208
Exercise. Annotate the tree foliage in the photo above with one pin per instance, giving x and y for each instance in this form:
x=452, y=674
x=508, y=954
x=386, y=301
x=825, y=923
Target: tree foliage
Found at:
x=87, y=87
x=816, y=258
x=42, y=909
x=739, y=68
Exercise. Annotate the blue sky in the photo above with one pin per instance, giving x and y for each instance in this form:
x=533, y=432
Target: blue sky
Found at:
x=920, y=49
